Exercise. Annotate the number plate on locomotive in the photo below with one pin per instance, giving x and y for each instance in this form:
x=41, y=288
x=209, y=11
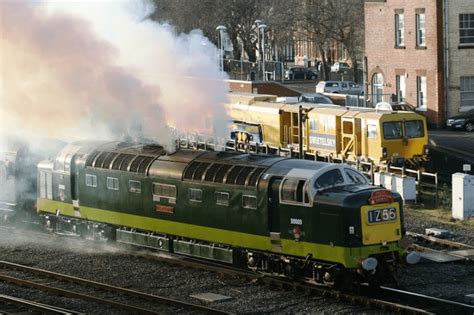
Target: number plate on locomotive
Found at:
x=382, y=215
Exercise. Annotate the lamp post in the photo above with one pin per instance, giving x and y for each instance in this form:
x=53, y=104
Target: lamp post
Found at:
x=258, y=23
x=263, y=27
x=220, y=42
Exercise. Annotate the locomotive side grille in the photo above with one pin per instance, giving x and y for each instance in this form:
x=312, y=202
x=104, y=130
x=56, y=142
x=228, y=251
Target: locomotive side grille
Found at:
x=219, y=178
x=100, y=159
x=108, y=160
x=136, y=163
x=118, y=161
x=200, y=171
x=144, y=164
x=91, y=158
x=232, y=176
x=255, y=176
x=244, y=173
x=126, y=161
x=211, y=172
x=188, y=173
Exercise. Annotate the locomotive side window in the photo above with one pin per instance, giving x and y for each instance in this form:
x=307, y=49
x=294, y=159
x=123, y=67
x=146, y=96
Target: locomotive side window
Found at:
x=91, y=180
x=328, y=179
x=112, y=183
x=293, y=191
x=195, y=194
x=313, y=124
x=392, y=130
x=249, y=202
x=414, y=128
x=222, y=198
x=164, y=191
x=372, y=131
x=134, y=186
x=355, y=177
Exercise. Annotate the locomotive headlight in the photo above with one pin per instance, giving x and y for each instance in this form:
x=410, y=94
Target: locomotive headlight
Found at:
x=369, y=264
x=384, y=152
x=426, y=149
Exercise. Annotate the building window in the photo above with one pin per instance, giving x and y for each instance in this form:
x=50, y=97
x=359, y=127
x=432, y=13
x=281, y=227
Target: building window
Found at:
x=164, y=191
x=467, y=91
x=401, y=87
x=399, y=30
x=249, y=202
x=112, y=183
x=195, y=194
x=222, y=198
x=420, y=30
x=134, y=186
x=421, y=92
x=466, y=28
x=91, y=180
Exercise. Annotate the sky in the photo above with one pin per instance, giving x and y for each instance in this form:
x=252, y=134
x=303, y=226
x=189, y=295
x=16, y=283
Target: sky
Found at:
x=76, y=70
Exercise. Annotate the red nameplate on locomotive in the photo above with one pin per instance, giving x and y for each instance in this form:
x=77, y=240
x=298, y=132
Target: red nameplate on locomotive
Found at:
x=164, y=209
x=381, y=196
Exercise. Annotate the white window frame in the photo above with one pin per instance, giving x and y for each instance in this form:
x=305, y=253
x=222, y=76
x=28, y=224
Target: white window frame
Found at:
x=112, y=183
x=467, y=92
x=399, y=30
x=222, y=193
x=421, y=99
x=135, y=190
x=420, y=30
x=401, y=87
x=93, y=179
x=306, y=203
x=251, y=197
x=194, y=190
x=466, y=20
x=372, y=132
x=158, y=197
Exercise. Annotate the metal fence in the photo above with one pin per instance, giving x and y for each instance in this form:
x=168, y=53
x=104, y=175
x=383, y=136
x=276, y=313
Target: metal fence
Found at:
x=253, y=71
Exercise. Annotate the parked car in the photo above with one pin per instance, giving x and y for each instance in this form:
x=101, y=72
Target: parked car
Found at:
x=342, y=87
x=462, y=121
x=316, y=98
x=300, y=73
x=340, y=67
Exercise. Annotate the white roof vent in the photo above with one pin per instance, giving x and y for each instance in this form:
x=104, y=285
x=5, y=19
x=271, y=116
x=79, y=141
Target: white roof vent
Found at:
x=383, y=106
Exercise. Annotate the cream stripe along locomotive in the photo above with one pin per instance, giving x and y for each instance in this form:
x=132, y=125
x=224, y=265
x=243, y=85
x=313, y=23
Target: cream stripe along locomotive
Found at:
x=298, y=218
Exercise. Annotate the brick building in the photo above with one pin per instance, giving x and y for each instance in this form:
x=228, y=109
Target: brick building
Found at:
x=421, y=52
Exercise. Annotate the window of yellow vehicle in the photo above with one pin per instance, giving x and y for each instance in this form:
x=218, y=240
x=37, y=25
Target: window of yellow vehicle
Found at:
x=313, y=124
x=414, y=129
x=372, y=131
x=392, y=130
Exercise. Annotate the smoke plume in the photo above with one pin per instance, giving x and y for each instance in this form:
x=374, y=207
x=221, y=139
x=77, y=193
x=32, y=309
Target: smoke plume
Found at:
x=101, y=70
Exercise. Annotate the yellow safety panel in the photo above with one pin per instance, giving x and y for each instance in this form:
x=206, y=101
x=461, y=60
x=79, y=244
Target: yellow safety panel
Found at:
x=384, y=227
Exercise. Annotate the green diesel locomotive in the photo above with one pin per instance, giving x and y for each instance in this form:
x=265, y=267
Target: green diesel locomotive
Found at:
x=299, y=218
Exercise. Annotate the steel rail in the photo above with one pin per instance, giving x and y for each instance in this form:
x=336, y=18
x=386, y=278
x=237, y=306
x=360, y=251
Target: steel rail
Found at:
x=32, y=305
x=102, y=286
x=440, y=241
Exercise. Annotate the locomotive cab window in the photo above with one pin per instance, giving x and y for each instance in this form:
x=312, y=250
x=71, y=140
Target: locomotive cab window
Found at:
x=91, y=180
x=195, y=194
x=414, y=129
x=112, y=183
x=355, y=177
x=222, y=198
x=329, y=179
x=392, y=130
x=293, y=190
x=134, y=186
x=249, y=202
x=164, y=191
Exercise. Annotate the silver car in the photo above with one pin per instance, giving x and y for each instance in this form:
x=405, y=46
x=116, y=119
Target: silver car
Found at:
x=341, y=87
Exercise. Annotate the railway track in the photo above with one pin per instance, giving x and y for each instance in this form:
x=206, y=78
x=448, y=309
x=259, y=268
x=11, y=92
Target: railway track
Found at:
x=22, y=305
x=73, y=287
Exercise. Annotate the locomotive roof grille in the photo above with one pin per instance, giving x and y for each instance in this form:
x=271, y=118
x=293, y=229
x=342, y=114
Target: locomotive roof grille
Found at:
x=100, y=159
x=136, y=163
x=91, y=158
x=118, y=161
x=232, y=174
x=220, y=175
x=244, y=173
x=144, y=165
x=108, y=160
x=126, y=161
x=200, y=171
x=188, y=173
x=255, y=176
